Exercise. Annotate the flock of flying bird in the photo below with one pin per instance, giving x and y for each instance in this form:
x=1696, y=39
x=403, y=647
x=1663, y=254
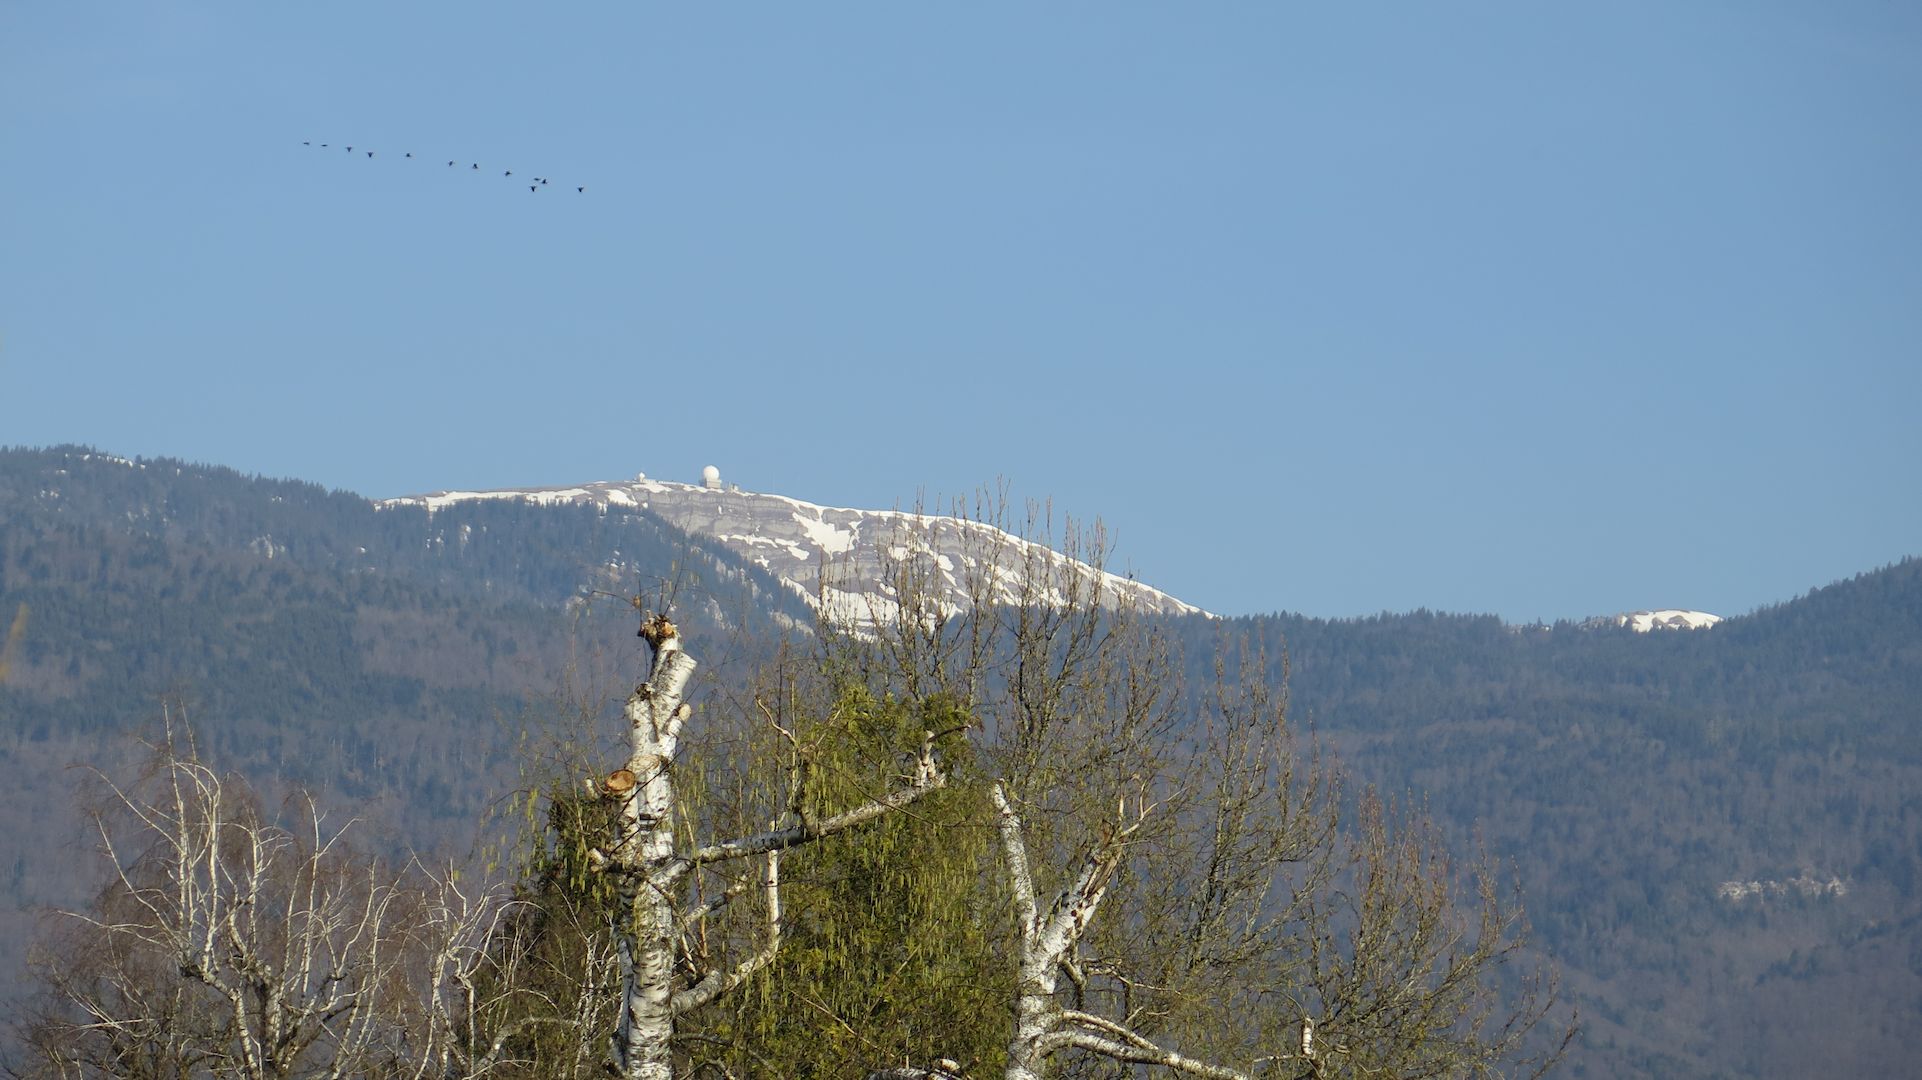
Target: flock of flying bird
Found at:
x=538, y=183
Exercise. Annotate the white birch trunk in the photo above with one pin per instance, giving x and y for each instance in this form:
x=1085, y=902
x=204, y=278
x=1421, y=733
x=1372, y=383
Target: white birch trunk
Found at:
x=652, y=872
x=1048, y=943
x=1046, y=940
x=643, y=851
x=322, y=964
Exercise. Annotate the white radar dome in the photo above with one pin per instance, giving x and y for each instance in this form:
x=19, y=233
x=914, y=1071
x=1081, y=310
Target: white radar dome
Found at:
x=711, y=476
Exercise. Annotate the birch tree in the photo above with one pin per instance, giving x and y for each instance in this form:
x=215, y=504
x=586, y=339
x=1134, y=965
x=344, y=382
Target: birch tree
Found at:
x=1183, y=891
x=1247, y=934
x=233, y=943
x=654, y=863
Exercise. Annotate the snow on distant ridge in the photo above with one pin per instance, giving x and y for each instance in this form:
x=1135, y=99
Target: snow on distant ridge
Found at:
x=797, y=541
x=1666, y=619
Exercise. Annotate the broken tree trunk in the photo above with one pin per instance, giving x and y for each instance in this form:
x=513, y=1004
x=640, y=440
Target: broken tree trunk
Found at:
x=644, y=847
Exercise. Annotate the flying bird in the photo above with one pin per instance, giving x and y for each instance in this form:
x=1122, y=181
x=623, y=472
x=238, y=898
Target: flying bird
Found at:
x=534, y=183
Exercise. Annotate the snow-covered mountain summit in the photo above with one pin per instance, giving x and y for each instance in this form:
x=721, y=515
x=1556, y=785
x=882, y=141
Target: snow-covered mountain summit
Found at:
x=840, y=557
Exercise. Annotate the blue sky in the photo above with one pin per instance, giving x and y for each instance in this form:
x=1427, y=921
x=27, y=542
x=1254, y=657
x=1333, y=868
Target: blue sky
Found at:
x=1544, y=310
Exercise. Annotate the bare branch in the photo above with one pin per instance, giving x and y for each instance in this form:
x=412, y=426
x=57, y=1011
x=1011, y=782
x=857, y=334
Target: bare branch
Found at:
x=1141, y=1055
x=717, y=983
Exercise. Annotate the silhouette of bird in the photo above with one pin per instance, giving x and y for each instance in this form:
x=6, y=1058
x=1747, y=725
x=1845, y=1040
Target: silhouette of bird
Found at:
x=534, y=183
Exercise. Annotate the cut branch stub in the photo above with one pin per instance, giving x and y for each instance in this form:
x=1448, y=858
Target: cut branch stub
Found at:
x=619, y=782
x=657, y=629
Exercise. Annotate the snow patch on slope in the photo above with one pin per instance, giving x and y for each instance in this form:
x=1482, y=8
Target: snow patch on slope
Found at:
x=826, y=537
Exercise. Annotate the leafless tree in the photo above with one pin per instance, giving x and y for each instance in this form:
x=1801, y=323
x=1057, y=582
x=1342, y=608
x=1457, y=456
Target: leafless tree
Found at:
x=233, y=943
x=1184, y=892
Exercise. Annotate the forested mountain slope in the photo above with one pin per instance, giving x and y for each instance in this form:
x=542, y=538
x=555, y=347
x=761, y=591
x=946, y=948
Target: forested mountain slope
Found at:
x=1719, y=831
x=385, y=656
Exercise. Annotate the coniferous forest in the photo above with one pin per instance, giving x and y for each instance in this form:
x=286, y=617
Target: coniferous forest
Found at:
x=1717, y=833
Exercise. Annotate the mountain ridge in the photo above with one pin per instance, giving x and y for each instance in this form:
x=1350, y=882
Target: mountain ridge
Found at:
x=840, y=559
x=390, y=656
